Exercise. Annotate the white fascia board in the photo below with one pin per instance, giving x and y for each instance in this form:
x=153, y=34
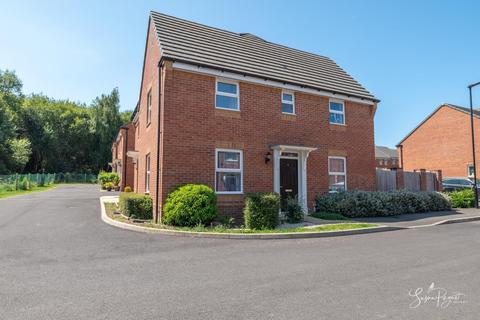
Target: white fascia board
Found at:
x=257, y=80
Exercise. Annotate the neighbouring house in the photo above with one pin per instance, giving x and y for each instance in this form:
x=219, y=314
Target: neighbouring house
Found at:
x=442, y=141
x=386, y=158
x=121, y=163
x=241, y=114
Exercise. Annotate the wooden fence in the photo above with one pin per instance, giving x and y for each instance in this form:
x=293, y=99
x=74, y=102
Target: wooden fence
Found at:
x=418, y=180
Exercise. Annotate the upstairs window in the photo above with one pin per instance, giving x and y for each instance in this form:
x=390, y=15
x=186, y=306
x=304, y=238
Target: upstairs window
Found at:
x=337, y=174
x=149, y=106
x=337, y=112
x=288, y=103
x=228, y=171
x=226, y=95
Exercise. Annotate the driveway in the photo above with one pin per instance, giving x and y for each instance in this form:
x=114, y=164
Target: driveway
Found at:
x=58, y=260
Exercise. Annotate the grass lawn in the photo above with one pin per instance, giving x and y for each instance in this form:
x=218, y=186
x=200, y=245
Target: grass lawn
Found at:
x=6, y=194
x=110, y=207
x=328, y=216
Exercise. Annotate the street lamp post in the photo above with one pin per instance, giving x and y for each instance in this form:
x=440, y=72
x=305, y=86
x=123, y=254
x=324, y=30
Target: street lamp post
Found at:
x=473, y=144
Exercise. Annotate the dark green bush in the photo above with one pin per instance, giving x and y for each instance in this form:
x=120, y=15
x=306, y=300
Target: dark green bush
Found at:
x=136, y=206
x=261, y=210
x=190, y=205
x=293, y=210
x=462, y=198
x=378, y=203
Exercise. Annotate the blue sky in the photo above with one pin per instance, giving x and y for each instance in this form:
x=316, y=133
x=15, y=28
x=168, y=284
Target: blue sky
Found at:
x=413, y=55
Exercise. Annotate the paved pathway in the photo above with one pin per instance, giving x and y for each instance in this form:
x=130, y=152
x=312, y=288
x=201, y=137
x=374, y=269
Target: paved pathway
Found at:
x=58, y=260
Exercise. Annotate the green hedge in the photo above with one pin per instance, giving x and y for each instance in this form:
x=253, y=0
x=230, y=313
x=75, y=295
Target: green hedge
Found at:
x=190, y=205
x=136, y=206
x=462, y=198
x=261, y=210
x=293, y=210
x=378, y=203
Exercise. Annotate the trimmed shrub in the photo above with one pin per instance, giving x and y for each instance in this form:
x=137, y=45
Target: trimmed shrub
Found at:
x=378, y=203
x=190, y=205
x=105, y=177
x=462, y=198
x=136, y=206
x=127, y=189
x=293, y=210
x=261, y=210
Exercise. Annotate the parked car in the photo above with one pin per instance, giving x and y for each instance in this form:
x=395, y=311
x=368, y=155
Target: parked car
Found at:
x=452, y=184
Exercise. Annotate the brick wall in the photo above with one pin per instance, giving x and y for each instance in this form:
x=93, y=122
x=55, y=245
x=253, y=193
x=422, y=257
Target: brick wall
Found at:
x=443, y=142
x=194, y=128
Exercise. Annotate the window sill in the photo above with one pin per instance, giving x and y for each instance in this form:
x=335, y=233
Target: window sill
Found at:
x=229, y=113
x=229, y=193
x=227, y=109
x=289, y=116
x=338, y=124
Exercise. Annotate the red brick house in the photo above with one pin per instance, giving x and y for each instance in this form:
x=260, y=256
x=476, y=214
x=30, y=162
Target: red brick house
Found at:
x=121, y=163
x=442, y=142
x=386, y=158
x=242, y=114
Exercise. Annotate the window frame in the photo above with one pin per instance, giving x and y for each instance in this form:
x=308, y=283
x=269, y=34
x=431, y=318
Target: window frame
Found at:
x=217, y=170
x=226, y=94
x=337, y=173
x=288, y=102
x=470, y=165
x=147, y=172
x=337, y=112
x=149, y=107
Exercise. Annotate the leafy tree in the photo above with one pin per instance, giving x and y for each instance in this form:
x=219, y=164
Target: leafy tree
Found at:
x=38, y=133
x=21, y=150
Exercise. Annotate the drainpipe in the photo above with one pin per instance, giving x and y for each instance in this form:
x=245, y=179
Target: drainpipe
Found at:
x=124, y=180
x=158, y=138
x=401, y=155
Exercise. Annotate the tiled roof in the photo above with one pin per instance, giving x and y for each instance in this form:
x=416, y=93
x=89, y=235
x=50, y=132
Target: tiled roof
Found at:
x=189, y=42
x=385, y=153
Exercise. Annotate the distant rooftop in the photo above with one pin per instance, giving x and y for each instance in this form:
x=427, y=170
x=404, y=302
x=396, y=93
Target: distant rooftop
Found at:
x=382, y=152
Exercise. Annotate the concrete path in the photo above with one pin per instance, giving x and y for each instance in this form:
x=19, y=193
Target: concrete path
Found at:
x=423, y=219
x=58, y=260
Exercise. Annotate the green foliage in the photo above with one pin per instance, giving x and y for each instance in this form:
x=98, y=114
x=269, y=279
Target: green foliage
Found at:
x=21, y=150
x=377, y=203
x=462, y=198
x=127, y=189
x=108, y=177
x=24, y=184
x=190, y=205
x=136, y=206
x=64, y=136
x=293, y=210
x=261, y=210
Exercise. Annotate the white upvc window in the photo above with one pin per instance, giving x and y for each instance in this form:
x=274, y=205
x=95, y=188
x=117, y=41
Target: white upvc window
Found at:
x=337, y=112
x=470, y=170
x=337, y=174
x=288, y=102
x=227, y=95
x=228, y=171
x=147, y=173
x=149, y=106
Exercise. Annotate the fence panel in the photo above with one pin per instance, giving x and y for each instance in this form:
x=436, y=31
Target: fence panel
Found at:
x=386, y=180
x=431, y=177
x=412, y=181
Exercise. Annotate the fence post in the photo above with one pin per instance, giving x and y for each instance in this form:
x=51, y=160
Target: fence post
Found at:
x=423, y=180
x=439, y=186
x=400, y=178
